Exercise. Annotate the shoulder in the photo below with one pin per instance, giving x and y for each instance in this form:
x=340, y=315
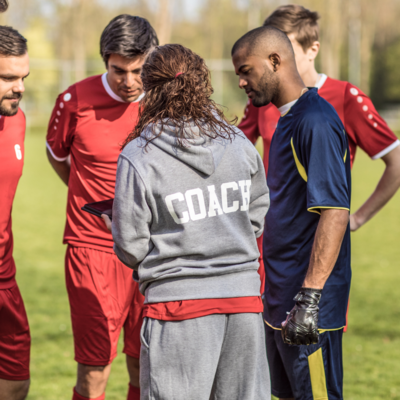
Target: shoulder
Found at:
x=318, y=117
x=80, y=93
x=351, y=93
x=244, y=148
x=135, y=152
x=89, y=83
x=240, y=140
x=20, y=116
x=334, y=84
x=16, y=122
x=316, y=111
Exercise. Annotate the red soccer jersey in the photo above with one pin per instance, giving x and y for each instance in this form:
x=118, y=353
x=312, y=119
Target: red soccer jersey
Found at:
x=89, y=123
x=12, y=134
x=364, y=126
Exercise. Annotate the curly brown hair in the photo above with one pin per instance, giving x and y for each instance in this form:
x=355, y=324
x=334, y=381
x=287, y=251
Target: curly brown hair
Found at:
x=177, y=87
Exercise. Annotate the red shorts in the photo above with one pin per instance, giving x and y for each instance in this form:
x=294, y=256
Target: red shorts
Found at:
x=103, y=298
x=15, y=340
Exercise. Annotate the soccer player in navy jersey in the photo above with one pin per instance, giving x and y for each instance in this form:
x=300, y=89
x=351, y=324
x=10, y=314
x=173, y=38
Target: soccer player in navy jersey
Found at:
x=307, y=236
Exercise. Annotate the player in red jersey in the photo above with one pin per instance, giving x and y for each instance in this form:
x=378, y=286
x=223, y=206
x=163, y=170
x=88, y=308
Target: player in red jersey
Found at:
x=90, y=121
x=364, y=126
x=15, y=338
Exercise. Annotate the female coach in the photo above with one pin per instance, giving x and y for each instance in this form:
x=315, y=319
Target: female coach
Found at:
x=190, y=201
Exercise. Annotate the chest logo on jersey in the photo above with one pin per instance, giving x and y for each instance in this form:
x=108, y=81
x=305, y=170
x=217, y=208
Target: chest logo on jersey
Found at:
x=18, y=152
x=192, y=205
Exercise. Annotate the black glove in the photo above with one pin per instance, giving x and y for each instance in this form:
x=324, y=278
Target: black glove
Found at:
x=301, y=325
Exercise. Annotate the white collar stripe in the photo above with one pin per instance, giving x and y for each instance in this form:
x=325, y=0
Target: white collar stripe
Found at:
x=321, y=81
x=112, y=94
x=108, y=88
x=285, y=108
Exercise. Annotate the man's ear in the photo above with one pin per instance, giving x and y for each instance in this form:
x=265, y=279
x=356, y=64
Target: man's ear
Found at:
x=313, y=50
x=275, y=61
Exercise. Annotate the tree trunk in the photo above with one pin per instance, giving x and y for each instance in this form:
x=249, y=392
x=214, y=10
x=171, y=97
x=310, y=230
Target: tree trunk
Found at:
x=164, y=21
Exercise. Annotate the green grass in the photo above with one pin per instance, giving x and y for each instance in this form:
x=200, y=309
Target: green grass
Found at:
x=371, y=346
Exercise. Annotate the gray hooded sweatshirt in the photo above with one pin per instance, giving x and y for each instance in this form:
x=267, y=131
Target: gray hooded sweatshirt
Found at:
x=186, y=219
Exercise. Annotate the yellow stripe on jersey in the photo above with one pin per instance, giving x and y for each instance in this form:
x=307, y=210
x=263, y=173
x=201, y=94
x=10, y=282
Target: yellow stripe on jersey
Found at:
x=319, y=330
x=316, y=208
x=345, y=155
x=317, y=375
x=276, y=329
x=300, y=168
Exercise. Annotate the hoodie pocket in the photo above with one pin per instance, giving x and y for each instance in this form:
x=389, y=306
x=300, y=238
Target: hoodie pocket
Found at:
x=145, y=332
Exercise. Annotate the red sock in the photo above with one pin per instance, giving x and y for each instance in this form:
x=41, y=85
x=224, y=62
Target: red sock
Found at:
x=133, y=393
x=78, y=396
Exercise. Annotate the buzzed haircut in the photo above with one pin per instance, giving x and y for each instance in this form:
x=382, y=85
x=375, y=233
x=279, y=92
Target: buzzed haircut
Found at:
x=257, y=40
x=3, y=5
x=127, y=36
x=12, y=43
x=296, y=19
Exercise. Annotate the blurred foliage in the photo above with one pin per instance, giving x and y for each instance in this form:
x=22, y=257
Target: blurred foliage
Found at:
x=360, y=42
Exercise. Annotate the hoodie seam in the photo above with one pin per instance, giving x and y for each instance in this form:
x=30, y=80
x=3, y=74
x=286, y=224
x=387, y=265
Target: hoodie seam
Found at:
x=140, y=176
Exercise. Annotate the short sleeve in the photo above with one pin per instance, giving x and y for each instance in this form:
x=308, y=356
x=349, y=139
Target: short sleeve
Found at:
x=249, y=123
x=321, y=155
x=365, y=126
x=62, y=125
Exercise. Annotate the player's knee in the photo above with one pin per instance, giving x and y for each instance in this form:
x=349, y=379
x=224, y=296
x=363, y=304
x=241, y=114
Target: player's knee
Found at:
x=24, y=389
x=19, y=391
x=92, y=375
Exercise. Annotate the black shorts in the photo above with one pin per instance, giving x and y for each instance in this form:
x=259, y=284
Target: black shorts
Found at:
x=306, y=372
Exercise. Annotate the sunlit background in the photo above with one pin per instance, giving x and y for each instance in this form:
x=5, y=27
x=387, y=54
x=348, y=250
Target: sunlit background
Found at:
x=360, y=42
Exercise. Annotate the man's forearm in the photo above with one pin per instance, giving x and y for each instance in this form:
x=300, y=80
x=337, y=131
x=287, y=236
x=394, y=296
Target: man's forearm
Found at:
x=62, y=168
x=328, y=239
x=385, y=190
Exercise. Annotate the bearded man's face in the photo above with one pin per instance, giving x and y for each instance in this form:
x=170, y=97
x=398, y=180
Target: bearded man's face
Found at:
x=13, y=71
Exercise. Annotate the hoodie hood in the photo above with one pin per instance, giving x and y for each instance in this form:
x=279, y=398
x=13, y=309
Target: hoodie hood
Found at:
x=200, y=152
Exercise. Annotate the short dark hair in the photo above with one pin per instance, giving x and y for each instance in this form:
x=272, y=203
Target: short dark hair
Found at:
x=12, y=43
x=296, y=19
x=258, y=39
x=3, y=5
x=127, y=36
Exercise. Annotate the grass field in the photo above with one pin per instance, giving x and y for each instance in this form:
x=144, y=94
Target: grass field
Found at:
x=371, y=346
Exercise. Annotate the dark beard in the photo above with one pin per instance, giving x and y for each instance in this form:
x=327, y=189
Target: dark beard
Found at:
x=267, y=89
x=9, y=112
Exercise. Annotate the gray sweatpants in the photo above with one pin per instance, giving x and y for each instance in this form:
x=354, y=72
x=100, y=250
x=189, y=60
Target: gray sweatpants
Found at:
x=219, y=356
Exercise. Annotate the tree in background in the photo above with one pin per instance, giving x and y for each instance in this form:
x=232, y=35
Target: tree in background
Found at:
x=360, y=42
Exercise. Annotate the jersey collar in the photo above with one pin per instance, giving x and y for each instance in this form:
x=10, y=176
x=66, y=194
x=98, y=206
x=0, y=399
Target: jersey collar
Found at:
x=321, y=81
x=286, y=107
x=112, y=94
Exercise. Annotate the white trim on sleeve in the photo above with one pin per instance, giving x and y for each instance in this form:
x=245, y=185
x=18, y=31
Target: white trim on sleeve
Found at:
x=387, y=150
x=59, y=159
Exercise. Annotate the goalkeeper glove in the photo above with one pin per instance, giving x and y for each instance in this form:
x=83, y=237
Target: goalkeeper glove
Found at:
x=301, y=325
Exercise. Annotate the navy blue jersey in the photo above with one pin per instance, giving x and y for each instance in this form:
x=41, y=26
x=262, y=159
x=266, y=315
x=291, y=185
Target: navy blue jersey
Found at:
x=309, y=169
